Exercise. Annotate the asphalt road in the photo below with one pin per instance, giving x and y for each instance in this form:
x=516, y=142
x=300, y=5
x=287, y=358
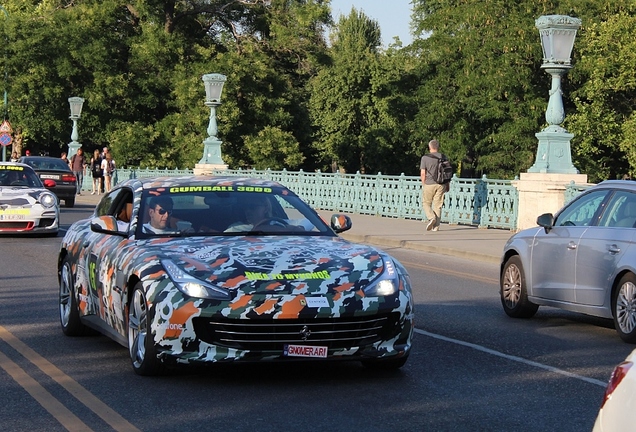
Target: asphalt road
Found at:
x=472, y=368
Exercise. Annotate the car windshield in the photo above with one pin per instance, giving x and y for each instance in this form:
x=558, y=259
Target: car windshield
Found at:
x=47, y=164
x=226, y=210
x=19, y=176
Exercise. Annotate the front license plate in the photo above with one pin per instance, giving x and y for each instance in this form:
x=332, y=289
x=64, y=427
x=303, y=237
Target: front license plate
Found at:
x=12, y=217
x=305, y=351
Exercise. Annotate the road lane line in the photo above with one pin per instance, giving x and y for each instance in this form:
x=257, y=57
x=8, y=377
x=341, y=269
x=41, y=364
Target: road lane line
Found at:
x=62, y=414
x=110, y=416
x=513, y=358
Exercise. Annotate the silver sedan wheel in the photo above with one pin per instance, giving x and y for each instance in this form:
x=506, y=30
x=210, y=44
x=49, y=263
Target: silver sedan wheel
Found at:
x=626, y=307
x=137, y=329
x=66, y=282
x=511, y=286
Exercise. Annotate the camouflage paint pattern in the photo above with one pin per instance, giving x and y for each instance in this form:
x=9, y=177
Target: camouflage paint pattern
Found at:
x=268, y=277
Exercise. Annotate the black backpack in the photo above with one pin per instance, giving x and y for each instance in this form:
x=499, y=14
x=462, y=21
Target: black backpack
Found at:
x=445, y=170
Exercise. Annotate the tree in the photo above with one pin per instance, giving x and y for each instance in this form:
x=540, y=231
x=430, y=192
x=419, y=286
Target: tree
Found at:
x=604, y=122
x=355, y=102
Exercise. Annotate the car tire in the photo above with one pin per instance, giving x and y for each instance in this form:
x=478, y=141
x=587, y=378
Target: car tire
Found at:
x=623, y=304
x=388, y=364
x=141, y=347
x=69, y=202
x=514, y=291
x=69, y=312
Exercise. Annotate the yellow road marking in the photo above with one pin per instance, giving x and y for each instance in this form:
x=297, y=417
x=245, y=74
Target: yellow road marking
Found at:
x=62, y=414
x=110, y=416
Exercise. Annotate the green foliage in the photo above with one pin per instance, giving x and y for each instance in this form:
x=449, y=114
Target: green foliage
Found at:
x=604, y=119
x=274, y=149
x=472, y=80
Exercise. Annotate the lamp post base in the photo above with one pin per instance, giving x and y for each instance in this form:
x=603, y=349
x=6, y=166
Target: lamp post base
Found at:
x=212, y=152
x=72, y=149
x=553, y=152
x=208, y=169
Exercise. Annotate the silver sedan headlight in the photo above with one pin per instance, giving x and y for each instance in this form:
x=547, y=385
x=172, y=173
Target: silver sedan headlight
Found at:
x=47, y=199
x=191, y=286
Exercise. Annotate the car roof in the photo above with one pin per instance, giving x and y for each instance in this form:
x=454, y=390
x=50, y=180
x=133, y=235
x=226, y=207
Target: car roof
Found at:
x=168, y=182
x=616, y=184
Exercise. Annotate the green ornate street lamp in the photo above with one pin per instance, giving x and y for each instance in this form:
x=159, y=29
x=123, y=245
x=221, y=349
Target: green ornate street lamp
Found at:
x=76, y=104
x=212, y=145
x=557, y=40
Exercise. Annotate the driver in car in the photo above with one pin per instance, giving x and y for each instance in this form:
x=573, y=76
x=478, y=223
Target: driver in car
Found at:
x=256, y=211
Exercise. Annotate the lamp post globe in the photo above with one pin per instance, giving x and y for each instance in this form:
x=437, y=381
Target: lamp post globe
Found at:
x=76, y=104
x=212, y=145
x=557, y=34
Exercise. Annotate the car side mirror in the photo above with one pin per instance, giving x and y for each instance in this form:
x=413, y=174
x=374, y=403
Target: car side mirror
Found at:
x=546, y=221
x=49, y=183
x=340, y=223
x=106, y=225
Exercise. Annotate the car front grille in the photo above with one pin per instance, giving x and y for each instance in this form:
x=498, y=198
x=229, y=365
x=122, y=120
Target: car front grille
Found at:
x=274, y=334
x=11, y=226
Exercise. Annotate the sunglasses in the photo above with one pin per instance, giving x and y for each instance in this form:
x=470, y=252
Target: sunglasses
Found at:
x=163, y=211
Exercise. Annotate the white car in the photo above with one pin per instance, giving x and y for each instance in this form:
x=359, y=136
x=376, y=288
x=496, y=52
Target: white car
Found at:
x=617, y=409
x=26, y=206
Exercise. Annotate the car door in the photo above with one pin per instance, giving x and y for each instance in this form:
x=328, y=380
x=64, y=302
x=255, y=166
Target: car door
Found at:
x=554, y=252
x=100, y=254
x=602, y=247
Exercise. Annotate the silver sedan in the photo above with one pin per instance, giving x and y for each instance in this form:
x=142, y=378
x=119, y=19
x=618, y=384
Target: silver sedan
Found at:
x=582, y=259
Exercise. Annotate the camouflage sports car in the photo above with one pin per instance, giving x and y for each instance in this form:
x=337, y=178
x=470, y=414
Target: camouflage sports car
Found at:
x=26, y=206
x=207, y=269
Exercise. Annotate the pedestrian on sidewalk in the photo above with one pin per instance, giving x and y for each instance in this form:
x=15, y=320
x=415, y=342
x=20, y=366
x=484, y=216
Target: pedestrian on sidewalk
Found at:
x=432, y=191
x=78, y=166
x=97, y=172
x=108, y=168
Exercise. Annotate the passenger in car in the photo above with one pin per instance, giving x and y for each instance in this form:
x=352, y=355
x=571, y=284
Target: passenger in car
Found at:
x=159, y=211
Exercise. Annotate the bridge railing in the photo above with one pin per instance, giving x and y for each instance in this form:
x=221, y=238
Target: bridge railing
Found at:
x=482, y=202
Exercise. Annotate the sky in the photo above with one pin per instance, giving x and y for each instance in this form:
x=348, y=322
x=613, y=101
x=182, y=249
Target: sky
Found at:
x=394, y=16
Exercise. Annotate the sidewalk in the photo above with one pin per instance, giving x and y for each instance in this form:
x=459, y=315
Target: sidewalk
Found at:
x=461, y=241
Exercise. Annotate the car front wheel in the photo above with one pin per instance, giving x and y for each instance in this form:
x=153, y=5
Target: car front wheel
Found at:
x=514, y=292
x=140, y=342
x=624, y=308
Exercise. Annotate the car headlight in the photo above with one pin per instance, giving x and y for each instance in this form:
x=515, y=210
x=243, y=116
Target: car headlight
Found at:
x=191, y=286
x=47, y=199
x=387, y=285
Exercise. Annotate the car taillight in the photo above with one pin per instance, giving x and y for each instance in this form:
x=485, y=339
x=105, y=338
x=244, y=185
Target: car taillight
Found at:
x=617, y=376
x=68, y=177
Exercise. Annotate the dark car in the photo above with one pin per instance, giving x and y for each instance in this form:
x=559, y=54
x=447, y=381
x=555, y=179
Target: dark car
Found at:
x=192, y=270
x=55, y=169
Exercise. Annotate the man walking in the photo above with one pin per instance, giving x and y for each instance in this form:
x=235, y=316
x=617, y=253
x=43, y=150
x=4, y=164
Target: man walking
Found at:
x=78, y=165
x=432, y=191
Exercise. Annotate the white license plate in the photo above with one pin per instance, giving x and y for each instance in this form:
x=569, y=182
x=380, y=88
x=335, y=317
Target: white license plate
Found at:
x=12, y=217
x=305, y=351
x=50, y=176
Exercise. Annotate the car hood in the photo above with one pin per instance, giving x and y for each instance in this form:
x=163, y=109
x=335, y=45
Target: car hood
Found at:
x=19, y=195
x=276, y=264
